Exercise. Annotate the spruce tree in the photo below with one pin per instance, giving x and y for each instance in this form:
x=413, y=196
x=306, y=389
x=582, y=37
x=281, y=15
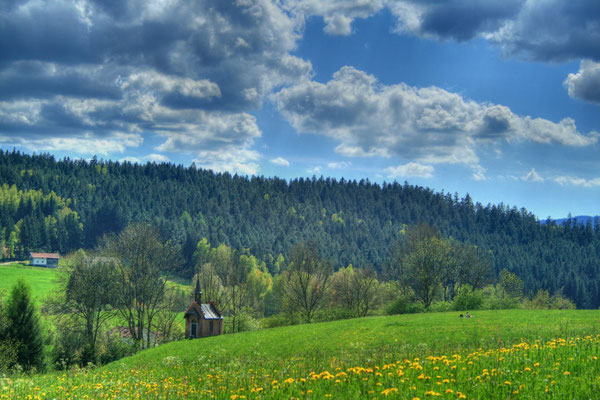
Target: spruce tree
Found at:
x=24, y=327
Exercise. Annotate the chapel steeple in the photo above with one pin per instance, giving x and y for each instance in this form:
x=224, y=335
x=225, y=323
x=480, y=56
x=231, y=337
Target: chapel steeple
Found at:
x=198, y=293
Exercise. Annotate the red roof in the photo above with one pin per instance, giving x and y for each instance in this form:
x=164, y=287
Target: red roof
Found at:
x=44, y=255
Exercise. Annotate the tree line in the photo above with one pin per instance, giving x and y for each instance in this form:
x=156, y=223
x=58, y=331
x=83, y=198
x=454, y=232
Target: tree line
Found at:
x=127, y=279
x=64, y=205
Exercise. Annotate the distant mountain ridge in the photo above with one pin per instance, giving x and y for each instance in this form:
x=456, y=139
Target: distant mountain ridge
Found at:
x=579, y=219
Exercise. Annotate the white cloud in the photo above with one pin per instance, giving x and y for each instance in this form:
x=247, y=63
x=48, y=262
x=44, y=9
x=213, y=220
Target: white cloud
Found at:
x=429, y=125
x=131, y=159
x=585, y=84
x=532, y=29
x=410, y=169
x=576, y=181
x=478, y=173
x=281, y=162
x=186, y=71
x=314, y=170
x=241, y=161
x=337, y=14
x=157, y=158
x=84, y=144
x=532, y=176
x=339, y=165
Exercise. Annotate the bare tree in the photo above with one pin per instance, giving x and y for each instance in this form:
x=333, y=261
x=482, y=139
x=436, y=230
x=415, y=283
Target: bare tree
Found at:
x=355, y=289
x=85, y=294
x=140, y=258
x=173, y=304
x=211, y=285
x=306, y=279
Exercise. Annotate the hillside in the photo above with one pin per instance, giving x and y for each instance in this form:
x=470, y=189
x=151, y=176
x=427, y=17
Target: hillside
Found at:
x=61, y=205
x=493, y=355
x=41, y=280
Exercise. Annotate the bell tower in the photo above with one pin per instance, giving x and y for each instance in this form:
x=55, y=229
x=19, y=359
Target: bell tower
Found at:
x=198, y=292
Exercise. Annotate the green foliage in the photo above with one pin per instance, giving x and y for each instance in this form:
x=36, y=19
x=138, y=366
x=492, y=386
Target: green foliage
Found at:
x=511, y=284
x=495, y=298
x=441, y=306
x=467, y=299
x=403, y=305
x=543, y=301
x=188, y=204
x=306, y=280
x=24, y=327
x=8, y=348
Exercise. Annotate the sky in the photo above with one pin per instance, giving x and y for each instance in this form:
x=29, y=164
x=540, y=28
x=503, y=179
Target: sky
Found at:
x=500, y=100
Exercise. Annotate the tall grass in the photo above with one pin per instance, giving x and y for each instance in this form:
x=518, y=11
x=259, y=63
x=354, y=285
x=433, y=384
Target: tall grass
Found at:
x=496, y=355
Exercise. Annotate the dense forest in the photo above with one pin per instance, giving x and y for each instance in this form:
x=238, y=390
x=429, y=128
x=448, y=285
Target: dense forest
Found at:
x=62, y=205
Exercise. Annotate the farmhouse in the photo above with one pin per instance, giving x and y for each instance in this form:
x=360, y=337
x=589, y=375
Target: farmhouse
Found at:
x=202, y=320
x=49, y=260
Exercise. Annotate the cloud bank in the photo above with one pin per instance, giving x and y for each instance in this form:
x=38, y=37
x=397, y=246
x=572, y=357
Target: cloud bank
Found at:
x=96, y=76
x=429, y=125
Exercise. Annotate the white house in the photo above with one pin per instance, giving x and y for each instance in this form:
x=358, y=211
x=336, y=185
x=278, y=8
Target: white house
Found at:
x=49, y=260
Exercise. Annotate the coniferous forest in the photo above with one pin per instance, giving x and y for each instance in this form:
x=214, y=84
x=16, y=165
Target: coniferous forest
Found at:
x=63, y=205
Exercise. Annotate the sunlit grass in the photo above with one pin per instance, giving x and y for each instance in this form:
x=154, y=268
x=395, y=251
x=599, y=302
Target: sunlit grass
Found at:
x=41, y=279
x=497, y=355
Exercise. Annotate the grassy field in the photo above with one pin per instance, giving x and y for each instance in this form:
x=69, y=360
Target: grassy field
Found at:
x=518, y=354
x=40, y=279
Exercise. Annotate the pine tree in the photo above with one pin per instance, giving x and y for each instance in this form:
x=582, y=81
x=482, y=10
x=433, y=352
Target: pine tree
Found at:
x=24, y=327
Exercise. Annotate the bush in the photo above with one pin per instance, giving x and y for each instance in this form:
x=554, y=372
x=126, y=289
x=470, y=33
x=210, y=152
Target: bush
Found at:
x=543, y=301
x=441, y=306
x=402, y=305
x=114, y=348
x=467, y=299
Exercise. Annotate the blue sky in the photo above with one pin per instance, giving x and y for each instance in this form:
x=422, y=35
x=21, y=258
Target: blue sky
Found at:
x=498, y=100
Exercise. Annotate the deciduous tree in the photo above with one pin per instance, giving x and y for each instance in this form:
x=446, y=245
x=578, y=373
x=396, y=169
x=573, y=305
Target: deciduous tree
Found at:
x=306, y=279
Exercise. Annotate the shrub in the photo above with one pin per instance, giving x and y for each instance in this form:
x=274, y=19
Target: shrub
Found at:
x=467, y=299
x=402, y=305
x=441, y=306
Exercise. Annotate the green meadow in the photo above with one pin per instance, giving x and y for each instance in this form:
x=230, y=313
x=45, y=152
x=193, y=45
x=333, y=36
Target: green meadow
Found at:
x=41, y=280
x=520, y=354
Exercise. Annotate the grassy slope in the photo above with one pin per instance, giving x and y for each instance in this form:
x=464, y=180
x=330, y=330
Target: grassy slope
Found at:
x=40, y=279
x=235, y=365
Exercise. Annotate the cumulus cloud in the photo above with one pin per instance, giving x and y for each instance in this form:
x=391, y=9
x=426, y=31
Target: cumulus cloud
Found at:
x=585, y=84
x=339, y=164
x=314, y=170
x=234, y=160
x=429, y=125
x=576, y=181
x=337, y=14
x=410, y=169
x=532, y=29
x=281, y=162
x=87, y=144
x=91, y=72
x=532, y=176
x=157, y=158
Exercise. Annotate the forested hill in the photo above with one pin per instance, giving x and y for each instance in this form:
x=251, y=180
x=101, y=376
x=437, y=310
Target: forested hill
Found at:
x=61, y=205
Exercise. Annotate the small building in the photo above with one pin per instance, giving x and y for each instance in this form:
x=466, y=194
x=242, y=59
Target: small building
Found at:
x=49, y=260
x=202, y=320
